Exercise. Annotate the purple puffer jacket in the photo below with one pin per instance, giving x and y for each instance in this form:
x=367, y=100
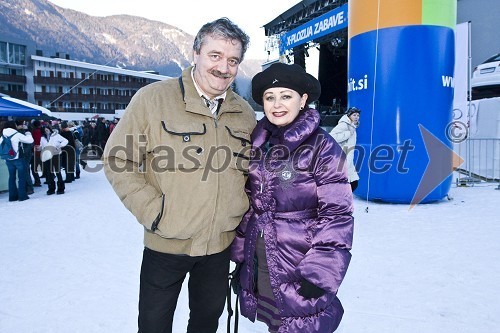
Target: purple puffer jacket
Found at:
x=302, y=202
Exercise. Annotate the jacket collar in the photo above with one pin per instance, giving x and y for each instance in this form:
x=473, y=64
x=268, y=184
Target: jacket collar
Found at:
x=294, y=135
x=195, y=104
x=347, y=120
x=202, y=93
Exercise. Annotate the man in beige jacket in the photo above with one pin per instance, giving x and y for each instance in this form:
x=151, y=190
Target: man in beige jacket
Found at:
x=177, y=161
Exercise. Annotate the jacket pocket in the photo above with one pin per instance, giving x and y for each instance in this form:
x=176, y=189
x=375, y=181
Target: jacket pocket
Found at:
x=180, y=159
x=182, y=148
x=239, y=146
x=155, y=223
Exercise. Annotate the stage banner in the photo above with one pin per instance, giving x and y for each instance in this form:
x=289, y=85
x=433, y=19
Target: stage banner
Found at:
x=323, y=25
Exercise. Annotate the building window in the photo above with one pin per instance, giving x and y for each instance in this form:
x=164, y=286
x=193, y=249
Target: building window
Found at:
x=65, y=75
x=17, y=54
x=3, y=51
x=12, y=53
x=15, y=87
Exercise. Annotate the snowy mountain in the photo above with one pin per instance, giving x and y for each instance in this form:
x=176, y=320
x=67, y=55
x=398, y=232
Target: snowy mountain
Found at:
x=121, y=40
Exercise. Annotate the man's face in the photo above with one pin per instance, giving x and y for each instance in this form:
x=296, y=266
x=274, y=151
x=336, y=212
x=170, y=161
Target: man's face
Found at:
x=217, y=65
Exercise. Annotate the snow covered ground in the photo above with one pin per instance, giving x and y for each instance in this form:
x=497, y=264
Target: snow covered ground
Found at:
x=70, y=263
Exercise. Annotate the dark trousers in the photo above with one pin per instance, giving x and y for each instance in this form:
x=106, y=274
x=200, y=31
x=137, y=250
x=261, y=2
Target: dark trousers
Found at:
x=68, y=158
x=17, y=166
x=50, y=167
x=29, y=181
x=34, y=163
x=162, y=275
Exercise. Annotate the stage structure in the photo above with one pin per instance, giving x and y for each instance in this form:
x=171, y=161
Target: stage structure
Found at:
x=321, y=27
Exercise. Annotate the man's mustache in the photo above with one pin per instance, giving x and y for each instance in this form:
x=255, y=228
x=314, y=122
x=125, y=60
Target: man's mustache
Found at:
x=221, y=75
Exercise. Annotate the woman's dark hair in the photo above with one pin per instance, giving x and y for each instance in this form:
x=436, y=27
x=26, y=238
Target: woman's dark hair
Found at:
x=48, y=127
x=222, y=28
x=352, y=110
x=9, y=124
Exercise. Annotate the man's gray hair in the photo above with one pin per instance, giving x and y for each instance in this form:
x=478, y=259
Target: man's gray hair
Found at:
x=224, y=29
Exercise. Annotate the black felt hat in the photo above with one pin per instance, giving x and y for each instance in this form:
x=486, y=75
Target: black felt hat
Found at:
x=287, y=76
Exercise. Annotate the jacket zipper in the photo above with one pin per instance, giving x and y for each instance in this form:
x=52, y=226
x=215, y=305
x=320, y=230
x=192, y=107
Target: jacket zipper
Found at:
x=154, y=226
x=262, y=190
x=217, y=194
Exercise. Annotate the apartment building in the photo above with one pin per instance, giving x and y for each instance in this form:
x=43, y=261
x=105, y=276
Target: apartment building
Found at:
x=64, y=85
x=61, y=84
x=14, y=65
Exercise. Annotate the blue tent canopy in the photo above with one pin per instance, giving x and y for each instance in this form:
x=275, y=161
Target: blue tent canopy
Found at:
x=11, y=107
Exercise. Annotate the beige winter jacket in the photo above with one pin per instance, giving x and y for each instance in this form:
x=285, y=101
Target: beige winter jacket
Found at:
x=345, y=135
x=180, y=171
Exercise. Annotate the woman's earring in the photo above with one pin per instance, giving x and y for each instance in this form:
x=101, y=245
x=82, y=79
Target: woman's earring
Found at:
x=301, y=108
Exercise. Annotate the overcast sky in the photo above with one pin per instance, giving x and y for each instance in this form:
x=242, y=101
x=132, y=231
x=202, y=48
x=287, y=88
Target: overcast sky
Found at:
x=190, y=16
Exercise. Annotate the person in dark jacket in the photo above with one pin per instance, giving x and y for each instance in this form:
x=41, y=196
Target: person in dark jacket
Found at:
x=86, y=133
x=293, y=245
x=68, y=153
x=77, y=132
x=92, y=134
x=25, y=153
x=35, y=159
x=102, y=134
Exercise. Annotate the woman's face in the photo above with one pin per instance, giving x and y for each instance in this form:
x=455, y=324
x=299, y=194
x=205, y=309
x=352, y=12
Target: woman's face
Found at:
x=282, y=105
x=47, y=131
x=354, y=117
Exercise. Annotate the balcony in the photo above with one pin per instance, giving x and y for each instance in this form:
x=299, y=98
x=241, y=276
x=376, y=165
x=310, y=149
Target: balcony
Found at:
x=75, y=97
x=16, y=94
x=89, y=82
x=83, y=110
x=13, y=78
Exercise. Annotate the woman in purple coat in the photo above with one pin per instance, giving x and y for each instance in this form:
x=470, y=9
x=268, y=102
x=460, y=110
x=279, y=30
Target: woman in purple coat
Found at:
x=293, y=244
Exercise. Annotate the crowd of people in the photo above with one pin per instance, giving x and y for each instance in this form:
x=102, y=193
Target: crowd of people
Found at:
x=50, y=151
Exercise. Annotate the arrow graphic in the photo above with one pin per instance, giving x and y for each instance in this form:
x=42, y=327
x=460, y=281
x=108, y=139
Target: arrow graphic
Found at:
x=439, y=168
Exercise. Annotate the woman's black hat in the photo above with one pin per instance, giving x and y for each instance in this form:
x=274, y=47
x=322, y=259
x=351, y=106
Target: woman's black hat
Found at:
x=287, y=76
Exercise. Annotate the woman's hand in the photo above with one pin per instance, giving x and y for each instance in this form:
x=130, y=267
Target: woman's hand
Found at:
x=309, y=290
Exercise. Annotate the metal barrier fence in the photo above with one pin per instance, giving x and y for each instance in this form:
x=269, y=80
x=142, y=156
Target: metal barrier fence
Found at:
x=481, y=160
